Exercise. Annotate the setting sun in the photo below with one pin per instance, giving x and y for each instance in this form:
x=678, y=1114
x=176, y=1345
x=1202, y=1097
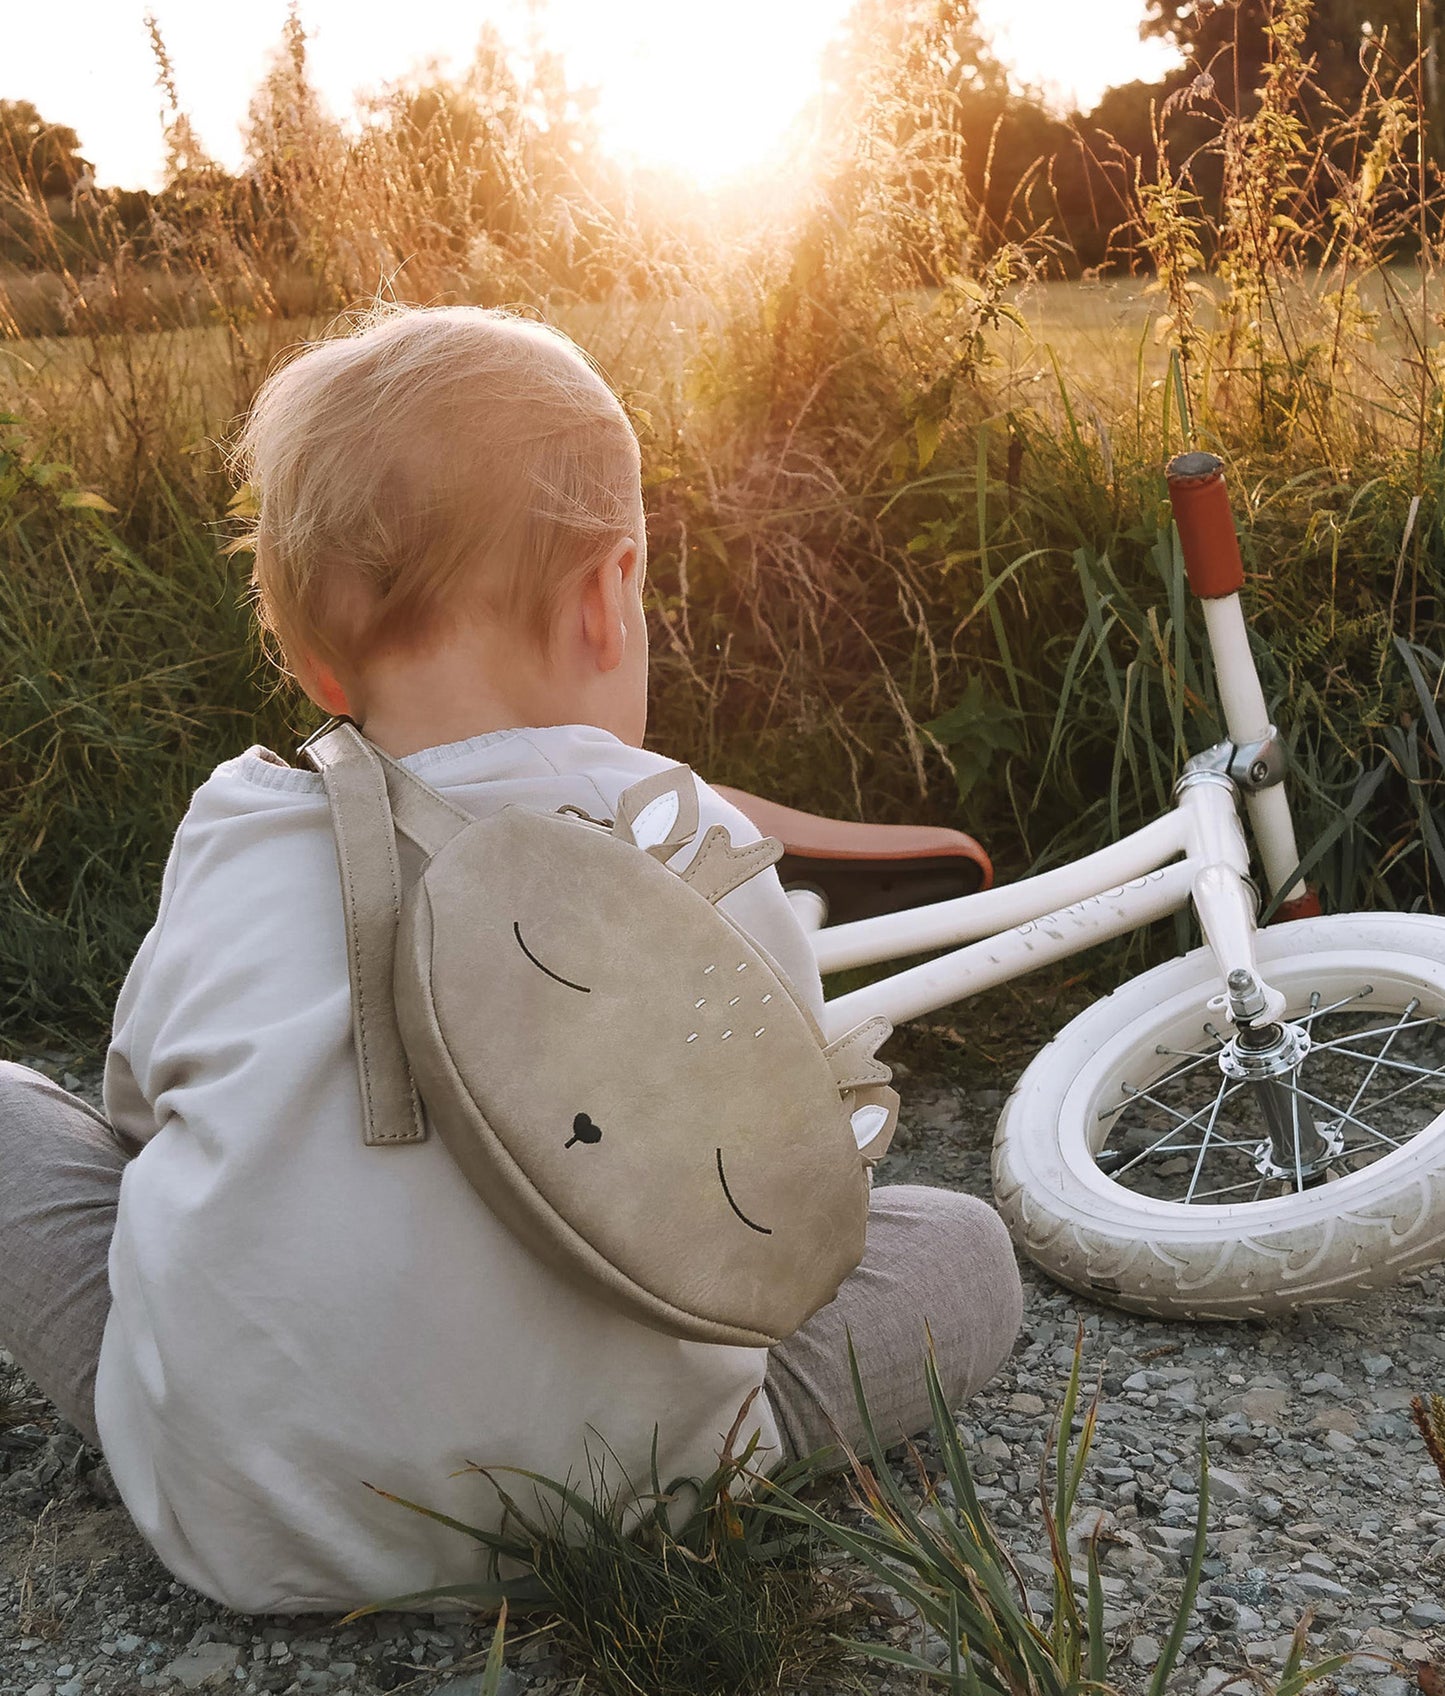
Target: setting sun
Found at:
x=707, y=93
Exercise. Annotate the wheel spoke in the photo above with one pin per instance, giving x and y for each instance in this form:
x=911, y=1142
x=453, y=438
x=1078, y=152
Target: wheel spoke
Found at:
x=1330, y=1107
x=1233, y=1189
x=1299, y=1173
x=1383, y=1030
x=1379, y=1057
x=1191, y=1147
x=1208, y=1132
x=1133, y=1095
x=1192, y=1055
x=1173, y=1131
x=1378, y=1060
x=1391, y=1095
x=1317, y=1012
x=1153, y=1148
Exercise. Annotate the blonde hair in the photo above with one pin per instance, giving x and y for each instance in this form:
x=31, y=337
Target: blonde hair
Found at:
x=434, y=463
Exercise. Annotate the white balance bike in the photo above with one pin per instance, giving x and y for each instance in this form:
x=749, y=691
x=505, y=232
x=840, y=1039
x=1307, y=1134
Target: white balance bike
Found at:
x=1256, y=1126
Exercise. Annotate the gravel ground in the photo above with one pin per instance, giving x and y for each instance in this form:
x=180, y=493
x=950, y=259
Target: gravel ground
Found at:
x=1323, y=1499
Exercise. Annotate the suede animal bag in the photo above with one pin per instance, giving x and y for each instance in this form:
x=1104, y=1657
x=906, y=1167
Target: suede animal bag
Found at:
x=627, y=1080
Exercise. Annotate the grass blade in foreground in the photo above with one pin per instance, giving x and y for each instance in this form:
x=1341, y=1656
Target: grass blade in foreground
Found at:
x=950, y=1566
x=673, y=1591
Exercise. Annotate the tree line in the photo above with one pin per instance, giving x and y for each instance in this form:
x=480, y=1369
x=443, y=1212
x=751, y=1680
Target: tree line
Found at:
x=489, y=149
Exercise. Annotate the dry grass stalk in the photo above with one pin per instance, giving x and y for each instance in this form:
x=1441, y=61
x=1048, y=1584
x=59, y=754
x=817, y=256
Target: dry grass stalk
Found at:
x=1428, y=1413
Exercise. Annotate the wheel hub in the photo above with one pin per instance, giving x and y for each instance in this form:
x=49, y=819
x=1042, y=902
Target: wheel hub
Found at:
x=1257, y=1052
x=1332, y=1137
x=1268, y=1057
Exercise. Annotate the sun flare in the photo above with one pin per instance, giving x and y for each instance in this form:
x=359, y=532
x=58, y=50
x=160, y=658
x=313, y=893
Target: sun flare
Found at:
x=708, y=93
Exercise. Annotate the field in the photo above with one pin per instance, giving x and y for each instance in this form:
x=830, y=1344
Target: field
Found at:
x=910, y=556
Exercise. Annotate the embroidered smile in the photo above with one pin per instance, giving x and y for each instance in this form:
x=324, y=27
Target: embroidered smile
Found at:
x=763, y=1230
x=567, y=983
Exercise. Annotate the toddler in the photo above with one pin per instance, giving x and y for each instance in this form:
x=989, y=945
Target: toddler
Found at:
x=254, y=1313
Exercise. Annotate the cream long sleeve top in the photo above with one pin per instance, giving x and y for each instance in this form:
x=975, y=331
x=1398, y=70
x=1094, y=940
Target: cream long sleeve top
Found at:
x=295, y=1315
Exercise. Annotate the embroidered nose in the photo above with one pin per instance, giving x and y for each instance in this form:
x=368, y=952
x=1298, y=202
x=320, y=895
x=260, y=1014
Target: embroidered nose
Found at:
x=583, y=1130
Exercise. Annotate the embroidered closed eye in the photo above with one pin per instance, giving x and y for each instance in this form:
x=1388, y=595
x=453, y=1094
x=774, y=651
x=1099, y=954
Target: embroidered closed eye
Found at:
x=581, y=988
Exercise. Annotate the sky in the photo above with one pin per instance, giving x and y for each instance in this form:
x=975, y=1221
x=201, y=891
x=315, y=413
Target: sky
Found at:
x=707, y=90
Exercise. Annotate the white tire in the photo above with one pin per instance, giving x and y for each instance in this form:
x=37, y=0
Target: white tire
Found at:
x=1249, y=1257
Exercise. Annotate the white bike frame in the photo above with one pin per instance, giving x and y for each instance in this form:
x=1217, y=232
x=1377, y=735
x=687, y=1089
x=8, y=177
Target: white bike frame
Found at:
x=1196, y=853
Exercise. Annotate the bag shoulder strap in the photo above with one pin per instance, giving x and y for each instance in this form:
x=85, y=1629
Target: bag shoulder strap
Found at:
x=371, y=797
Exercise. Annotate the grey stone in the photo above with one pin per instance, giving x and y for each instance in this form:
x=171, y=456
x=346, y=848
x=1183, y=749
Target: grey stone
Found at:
x=1226, y=1486
x=470, y=1684
x=205, y=1666
x=1175, y=1538
x=1264, y=1405
x=1144, y=1651
x=1313, y=1585
x=1370, y=1664
x=1425, y=1614
x=1131, y=1558
x=1324, y=1383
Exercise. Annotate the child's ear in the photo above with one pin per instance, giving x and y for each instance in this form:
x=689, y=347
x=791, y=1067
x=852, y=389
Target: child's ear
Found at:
x=605, y=609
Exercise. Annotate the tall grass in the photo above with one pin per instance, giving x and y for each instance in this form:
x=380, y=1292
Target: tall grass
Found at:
x=911, y=557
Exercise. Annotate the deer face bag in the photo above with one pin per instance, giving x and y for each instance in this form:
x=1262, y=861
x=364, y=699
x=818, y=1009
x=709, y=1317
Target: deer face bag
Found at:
x=625, y=1079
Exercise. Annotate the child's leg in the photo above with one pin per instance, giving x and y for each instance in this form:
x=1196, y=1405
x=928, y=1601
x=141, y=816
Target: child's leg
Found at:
x=60, y=1169
x=935, y=1259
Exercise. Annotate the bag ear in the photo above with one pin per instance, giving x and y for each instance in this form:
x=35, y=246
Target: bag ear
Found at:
x=659, y=814
x=853, y=1056
x=718, y=868
x=874, y=1115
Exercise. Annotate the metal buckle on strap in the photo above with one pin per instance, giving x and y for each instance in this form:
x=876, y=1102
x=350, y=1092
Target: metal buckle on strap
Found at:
x=325, y=730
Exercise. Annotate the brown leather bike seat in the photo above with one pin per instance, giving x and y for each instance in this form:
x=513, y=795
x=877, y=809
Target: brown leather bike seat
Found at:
x=866, y=869
x=812, y=837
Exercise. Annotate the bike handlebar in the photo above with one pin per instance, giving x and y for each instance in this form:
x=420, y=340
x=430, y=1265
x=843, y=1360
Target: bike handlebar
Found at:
x=1206, y=525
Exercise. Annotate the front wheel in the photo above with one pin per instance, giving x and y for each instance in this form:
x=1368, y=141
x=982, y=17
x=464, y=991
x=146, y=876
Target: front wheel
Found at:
x=1133, y=1164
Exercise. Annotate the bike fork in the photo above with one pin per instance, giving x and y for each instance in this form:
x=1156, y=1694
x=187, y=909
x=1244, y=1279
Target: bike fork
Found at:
x=1265, y=1052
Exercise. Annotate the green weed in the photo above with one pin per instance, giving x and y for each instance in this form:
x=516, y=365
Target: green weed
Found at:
x=679, y=1589
x=949, y=1566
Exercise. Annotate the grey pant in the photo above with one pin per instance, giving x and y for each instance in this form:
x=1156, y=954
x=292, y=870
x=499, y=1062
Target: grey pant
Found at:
x=936, y=1262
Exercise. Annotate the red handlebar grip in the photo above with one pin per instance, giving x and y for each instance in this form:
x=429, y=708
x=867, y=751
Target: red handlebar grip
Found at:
x=1206, y=525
